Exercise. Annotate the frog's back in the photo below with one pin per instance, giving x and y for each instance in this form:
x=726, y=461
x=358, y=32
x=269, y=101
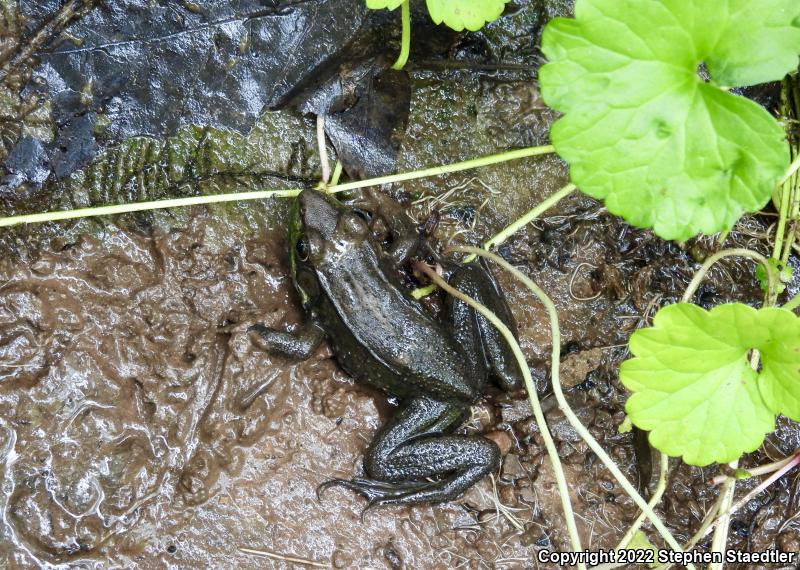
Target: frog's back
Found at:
x=370, y=320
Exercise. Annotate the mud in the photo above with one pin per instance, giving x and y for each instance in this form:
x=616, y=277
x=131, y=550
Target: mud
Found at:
x=139, y=426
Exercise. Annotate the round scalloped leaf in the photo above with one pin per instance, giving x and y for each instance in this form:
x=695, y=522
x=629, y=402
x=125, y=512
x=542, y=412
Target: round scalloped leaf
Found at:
x=779, y=381
x=383, y=4
x=469, y=14
x=693, y=386
x=644, y=132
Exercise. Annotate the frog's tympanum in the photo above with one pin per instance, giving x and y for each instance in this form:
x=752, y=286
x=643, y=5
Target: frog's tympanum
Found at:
x=381, y=336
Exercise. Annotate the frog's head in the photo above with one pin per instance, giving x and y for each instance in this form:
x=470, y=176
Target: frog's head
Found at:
x=321, y=234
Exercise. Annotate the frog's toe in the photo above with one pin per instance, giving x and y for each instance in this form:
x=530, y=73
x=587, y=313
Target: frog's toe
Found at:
x=376, y=492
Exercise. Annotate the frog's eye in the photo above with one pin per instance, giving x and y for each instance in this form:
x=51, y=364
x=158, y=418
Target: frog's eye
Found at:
x=302, y=249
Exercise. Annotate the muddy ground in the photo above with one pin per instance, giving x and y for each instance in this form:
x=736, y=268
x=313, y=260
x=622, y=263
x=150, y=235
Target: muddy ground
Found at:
x=139, y=426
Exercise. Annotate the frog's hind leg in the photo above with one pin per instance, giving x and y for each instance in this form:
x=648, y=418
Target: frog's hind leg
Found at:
x=411, y=449
x=480, y=339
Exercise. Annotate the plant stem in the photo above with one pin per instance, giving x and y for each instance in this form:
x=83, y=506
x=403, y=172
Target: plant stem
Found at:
x=720, y=541
x=761, y=469
x=550, y=445
x=337, y=173
x=261, y=195
x=795, y=166
x=740, y=252
x=143, y=206
x=447, y=169
x=322, y=148
x=405, y=46
x=783, y=217
x=661, y=487
x=793, y=303
x=793, y=462
x=562, y=402
x=520, y=223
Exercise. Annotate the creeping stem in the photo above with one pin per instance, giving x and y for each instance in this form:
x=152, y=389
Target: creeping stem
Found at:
x=562, y=401
x=552, y=452
x=529, y=217
x=772, y=276
x=405, y=47
x=261, y=195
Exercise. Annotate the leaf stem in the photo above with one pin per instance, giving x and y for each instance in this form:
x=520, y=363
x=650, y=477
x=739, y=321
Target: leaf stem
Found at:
x=143, y=206
x=405, y=46
x=787, y=197
x=661, y=487
x=337, y=173
x=447, y=169
x=793, y=462
x=719, y=542
x=793, y=303
x=264, y=194
x=550, y=445
x=761, y=469
x=523, y=221
x=740, y=252
x=562, y=402
x=795, y=166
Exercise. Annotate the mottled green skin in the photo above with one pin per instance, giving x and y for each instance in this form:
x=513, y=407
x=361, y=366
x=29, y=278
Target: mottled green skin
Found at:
x=383, y=337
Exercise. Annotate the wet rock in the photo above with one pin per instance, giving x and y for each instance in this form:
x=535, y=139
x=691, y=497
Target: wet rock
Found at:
x=502, y=439
x=151, y=67
x=576, y=366
x=27, y=162
x=367, y=135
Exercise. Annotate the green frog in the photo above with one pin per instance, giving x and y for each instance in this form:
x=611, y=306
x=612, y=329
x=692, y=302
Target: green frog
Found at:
x=437, y=368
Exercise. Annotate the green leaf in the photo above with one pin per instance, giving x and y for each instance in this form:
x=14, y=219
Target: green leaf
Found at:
x=383, y=4
x=779, y=381
x=693, y=386
x=641, y=542
x=469, y=14
x=784, y=274
x=644, y=132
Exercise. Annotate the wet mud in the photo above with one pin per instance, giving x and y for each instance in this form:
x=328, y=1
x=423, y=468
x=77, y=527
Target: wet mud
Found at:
x=140, y=427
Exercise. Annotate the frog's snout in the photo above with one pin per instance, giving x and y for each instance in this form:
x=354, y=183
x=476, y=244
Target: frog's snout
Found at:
x=318, y=213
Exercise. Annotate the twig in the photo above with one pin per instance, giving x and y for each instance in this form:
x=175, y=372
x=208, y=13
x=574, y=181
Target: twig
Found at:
x=322, y=147
x=275, y=556
x=760, y=470
x=261, y=195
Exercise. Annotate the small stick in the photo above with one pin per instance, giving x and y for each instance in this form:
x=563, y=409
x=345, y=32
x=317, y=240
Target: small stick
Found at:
x=760, y=470
x=323, y=150
x=275, y=556
x=794, y=462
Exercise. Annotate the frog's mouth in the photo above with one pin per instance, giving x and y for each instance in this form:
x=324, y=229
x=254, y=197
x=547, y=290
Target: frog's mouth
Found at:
x=319, y=212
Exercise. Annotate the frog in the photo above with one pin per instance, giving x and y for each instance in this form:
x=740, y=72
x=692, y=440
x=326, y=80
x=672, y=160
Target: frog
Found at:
x=435, y=367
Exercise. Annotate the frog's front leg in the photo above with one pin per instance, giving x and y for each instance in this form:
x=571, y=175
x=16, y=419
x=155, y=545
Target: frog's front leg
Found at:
x=412, y=447
x=298, y=344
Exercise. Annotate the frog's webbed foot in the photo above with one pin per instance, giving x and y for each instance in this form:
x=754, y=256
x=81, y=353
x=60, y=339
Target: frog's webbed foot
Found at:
x=411, y=450
x=297, y=345
x=376, y=492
